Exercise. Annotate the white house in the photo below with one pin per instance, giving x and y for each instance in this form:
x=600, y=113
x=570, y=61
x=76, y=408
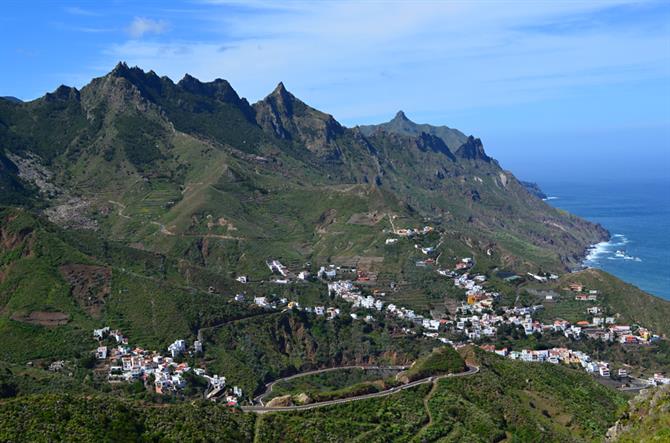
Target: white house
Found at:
x=101, y=353
x=177, y=348
x=101, y=333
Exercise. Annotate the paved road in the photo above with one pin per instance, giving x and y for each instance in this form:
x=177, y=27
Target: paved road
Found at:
x=269, y=386
x=263, y=409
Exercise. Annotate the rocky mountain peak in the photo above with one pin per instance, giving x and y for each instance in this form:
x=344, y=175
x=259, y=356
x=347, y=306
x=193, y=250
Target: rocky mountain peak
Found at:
x=400, y=117
x=218, y=88
x=280, y=89
x=63, y=93
x=473, y=149
x=120, y=68
x=280, y=96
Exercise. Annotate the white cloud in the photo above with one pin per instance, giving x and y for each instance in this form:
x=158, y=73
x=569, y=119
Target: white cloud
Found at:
x=141, y=26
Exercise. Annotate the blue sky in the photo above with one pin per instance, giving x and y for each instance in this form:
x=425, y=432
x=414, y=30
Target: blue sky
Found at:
x=557, y=90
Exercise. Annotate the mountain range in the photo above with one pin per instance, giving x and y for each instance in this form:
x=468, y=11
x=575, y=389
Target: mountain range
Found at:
x=176, y=156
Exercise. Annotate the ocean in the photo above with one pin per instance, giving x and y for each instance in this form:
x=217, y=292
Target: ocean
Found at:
x=637, y=215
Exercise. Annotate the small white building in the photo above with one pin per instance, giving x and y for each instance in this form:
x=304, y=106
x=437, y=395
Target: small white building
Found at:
x=177, y=348
x=101, y=333
x=101, y=353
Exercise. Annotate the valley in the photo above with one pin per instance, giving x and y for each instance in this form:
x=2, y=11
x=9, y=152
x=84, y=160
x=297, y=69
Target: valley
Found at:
x=168, y=251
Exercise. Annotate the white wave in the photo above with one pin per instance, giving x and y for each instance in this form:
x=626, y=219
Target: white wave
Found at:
x=598, y=250
x=550, y=198
x=610, y=250
x=619, y=240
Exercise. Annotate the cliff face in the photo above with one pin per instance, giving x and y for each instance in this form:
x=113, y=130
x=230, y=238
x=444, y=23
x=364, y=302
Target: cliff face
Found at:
x=534, y=189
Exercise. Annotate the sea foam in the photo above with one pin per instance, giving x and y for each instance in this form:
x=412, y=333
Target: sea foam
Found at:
x=607, y=250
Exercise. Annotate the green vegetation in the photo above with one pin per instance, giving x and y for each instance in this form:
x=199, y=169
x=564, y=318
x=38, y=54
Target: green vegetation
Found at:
x=186, y=186
x=634, y=305
x=102, y=419
x=55, y=289
x=441, y=361
x=506, y=399
x=328, y=381
x=392, y=418
x=647, y=418
x=331, y=385
x=528, y=402
x=261, y=349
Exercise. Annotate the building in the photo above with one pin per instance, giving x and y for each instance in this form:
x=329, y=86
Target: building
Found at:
x=101, y=333
x=261, y=301
x=603, y=370
x=101, y=353
x=177, y=348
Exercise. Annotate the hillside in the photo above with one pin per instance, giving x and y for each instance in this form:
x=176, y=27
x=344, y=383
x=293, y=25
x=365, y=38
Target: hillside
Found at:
x=173, y=166
x=632, y=304
x=172, y=211
x=108, y=419
x=505, y=400
x=646, y=419
x=56, y=287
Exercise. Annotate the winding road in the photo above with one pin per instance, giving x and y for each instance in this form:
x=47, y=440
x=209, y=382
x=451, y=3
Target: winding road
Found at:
x=263, y=409
x=269, y=386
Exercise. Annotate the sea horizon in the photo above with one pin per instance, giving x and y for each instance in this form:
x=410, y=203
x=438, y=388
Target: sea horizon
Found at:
x=637, y=216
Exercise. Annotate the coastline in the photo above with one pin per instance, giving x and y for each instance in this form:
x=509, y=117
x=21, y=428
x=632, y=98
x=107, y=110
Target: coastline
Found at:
x=637, y=219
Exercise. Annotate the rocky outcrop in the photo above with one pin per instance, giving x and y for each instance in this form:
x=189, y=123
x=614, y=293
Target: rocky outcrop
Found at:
x=473, y=149
x=646, y=419
x=288, y=118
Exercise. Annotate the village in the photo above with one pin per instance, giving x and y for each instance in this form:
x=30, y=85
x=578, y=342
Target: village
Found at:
x=167, y=372
x=480, y=317
x=576, y=358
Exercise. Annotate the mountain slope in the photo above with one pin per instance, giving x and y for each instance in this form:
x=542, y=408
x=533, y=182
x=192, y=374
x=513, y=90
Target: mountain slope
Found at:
x=182, y=167
x=647, y=418
x=505, y=400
